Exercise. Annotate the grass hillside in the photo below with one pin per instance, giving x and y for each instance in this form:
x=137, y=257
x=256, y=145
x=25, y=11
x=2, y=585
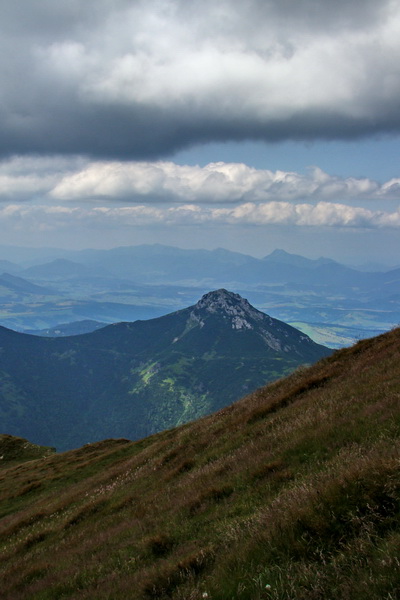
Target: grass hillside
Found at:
x=16, y=450
x=291, y=493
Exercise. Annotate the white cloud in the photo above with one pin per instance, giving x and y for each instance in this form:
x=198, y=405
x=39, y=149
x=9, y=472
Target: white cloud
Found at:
x=216, y=182
x=79, y=180
x=323, y=214
x=28, y=177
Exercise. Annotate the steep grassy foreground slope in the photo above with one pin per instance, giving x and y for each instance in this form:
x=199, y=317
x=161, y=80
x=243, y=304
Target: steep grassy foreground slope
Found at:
x=292, y=493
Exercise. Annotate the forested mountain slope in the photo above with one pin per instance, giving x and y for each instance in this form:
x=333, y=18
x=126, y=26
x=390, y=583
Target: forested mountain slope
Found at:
x=134, y=379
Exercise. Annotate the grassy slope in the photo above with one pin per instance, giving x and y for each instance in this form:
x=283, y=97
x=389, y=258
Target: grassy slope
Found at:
x=15, y=450
x=291, y=493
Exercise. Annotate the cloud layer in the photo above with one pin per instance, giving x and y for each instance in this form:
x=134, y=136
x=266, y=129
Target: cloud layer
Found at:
x=77, y=179
x=323, y=214
x=135, y=79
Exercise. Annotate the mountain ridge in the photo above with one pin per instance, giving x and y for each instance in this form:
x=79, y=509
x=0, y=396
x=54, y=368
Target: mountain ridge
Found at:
x=140, y=377
x=20, y=285
x=283, y=257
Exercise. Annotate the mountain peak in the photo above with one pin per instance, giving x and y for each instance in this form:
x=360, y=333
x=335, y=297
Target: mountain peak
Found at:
x=229, y=304
x=222, y=300
x=220, y=297
x=229, y=311
x=295, y=260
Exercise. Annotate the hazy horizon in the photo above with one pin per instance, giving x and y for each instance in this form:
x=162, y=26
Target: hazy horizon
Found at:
x=5, y=250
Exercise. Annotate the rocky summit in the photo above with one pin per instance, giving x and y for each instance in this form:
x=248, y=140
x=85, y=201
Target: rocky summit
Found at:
x=230, y=305
x=238, y=314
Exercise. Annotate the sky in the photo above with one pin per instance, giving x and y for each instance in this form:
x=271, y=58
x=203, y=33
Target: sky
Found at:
x=248, y=125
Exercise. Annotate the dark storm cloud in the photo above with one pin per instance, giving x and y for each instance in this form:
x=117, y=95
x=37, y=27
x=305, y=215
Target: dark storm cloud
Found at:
x=144, y=79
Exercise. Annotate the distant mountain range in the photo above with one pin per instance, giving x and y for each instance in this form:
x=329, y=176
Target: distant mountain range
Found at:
x=333, y=303
x=158, y=264
x=61, y=268
x=21, y=287
x=133, y=379
x=67, y=329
